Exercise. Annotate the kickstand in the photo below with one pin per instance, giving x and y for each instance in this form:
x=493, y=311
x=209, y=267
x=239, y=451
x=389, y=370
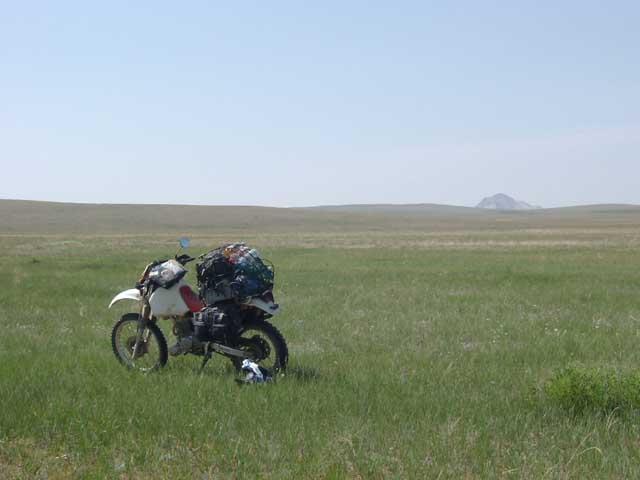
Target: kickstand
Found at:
x=207, y=356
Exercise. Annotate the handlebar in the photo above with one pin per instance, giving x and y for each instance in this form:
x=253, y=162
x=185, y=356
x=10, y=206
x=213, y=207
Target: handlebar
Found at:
x=184, y=259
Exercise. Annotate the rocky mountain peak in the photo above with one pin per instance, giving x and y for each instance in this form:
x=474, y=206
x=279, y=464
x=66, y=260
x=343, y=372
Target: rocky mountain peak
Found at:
x=502, y=201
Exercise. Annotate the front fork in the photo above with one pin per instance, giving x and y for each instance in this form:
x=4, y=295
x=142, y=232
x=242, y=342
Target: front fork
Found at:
x=142, y=334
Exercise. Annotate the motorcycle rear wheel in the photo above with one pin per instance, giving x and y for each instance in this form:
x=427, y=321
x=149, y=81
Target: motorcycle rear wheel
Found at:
x=266, y=344
x=152, y=353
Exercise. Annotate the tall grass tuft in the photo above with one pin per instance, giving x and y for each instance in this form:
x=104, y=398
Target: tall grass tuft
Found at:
x=581, y=389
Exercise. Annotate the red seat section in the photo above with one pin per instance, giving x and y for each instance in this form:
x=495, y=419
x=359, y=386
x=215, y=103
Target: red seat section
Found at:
x=191, y=299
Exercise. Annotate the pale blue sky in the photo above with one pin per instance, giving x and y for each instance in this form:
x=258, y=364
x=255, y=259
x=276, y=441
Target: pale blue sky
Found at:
x=288, y=103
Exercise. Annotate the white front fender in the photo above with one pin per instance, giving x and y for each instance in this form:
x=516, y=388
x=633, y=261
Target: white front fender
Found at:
x=131, y=294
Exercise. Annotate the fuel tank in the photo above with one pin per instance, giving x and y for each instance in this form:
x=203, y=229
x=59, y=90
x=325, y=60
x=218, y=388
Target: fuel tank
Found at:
x=167, y=302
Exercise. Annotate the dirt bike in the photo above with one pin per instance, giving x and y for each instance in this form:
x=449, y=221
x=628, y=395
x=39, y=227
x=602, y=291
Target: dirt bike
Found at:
x=234, y=327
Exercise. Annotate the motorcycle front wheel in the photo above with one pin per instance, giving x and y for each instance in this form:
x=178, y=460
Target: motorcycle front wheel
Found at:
x=139, y=347
x=265, y=344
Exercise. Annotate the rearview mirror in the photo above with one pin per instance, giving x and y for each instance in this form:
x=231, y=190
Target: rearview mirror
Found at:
x=185, y=242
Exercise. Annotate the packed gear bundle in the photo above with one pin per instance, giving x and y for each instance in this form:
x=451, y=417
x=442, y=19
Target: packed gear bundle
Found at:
x=233, y=271
x=167, y=273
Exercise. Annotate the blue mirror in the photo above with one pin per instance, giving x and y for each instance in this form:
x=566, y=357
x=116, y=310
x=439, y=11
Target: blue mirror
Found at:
x=185, y=242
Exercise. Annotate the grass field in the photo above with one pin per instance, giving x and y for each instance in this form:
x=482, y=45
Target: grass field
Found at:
x=414, y=353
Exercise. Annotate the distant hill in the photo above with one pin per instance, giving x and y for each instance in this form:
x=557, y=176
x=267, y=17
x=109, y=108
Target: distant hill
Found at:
x=501, y=201
x=25, y=216
x=33, y=217
x=391, y=208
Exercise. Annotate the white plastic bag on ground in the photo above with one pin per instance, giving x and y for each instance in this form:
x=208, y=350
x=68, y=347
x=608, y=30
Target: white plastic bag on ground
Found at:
x=255, y=373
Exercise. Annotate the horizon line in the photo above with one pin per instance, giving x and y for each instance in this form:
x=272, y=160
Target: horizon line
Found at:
x=342, y=205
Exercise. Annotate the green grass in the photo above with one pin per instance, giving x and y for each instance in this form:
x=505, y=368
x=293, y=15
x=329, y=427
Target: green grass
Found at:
x=404, y=363
x=579, y=389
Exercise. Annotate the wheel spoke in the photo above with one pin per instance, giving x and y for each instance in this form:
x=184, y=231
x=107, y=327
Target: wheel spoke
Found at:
x=137, y=349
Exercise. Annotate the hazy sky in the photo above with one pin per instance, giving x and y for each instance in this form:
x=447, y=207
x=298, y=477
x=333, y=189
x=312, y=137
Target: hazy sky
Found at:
x=303, y=103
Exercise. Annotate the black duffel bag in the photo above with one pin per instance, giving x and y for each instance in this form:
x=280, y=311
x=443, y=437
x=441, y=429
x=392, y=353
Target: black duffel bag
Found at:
x=213, y=268
x=210, y=324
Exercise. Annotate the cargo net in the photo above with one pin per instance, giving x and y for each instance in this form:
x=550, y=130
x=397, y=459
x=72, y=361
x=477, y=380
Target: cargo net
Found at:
x=233, y=271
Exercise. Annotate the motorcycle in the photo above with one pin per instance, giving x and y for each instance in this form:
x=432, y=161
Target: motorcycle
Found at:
x=231, y=326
